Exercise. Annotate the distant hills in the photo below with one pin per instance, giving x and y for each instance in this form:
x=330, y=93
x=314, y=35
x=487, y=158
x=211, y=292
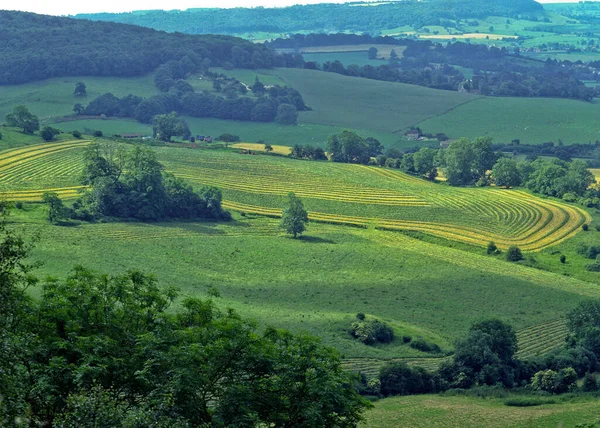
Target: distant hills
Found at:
x=35, y=47
x=354, y=17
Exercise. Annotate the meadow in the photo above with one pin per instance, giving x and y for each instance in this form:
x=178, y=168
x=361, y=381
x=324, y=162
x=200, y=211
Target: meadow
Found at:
x=54, y=97
x=317, y=284
x=532, y=120
x=461, y=411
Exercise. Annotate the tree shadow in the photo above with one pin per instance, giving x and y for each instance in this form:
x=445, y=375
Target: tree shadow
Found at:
x=315, y=240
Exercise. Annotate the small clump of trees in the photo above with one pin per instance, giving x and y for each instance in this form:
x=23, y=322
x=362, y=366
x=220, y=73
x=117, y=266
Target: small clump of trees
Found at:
x=371, y=331
x=133, y=184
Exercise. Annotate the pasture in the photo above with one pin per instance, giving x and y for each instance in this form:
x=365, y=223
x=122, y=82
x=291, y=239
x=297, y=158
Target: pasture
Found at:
x=532, y=120
x=383, y=51
x=354, y=102
x=347, y=58
x=461, y=411
x=54, y=97
x=317, y=284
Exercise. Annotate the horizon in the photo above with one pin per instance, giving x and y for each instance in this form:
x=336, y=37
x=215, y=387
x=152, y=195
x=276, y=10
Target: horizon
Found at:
x=72, y=7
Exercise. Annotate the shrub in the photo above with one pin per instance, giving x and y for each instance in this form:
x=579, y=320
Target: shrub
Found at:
x=19, y=205
x=399, y=379
x=406, y=339
x=563, y=258
x=593, y=267
x=589, y=251
x=424, y=346
x=585, y=227
x=590, y=384
x=528, y=401
x=76, y=134
x=491, y=248
x=514, y=254
x=554, y=382
x=569, y=197
x=371, y=332
x=98, y=133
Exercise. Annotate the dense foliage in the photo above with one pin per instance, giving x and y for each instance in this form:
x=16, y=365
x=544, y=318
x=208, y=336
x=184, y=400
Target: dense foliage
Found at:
x=264, y=108
x=371, y=331
x=294, y=217
x=134, y=185
x=321, y=17
x=100, y=350
x=35, y=47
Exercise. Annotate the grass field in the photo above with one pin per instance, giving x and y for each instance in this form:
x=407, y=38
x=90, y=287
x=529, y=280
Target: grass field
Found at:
x=447, y=411
x=279, y=150
x=532, y=120
x=367, y=104
x=383, y=51
x=54, y=97
x=346, y=58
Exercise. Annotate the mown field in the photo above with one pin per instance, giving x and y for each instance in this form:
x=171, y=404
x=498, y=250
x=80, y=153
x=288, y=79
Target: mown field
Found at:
x=448, y=411
x=319, y=283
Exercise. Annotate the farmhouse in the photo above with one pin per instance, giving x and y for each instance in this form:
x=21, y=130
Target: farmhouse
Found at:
x=130, y=136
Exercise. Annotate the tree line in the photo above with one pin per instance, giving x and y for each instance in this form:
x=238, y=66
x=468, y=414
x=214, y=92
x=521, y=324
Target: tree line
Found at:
x=275, y=103
x=109, y=350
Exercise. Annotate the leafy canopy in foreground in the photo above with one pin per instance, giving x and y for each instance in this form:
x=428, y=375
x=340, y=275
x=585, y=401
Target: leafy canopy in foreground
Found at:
x=105, y=349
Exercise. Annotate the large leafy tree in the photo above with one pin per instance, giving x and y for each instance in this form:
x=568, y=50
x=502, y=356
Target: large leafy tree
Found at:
x=294, y=217
x=484, y=356
x=505, y=173
x=22, y=118
x=167, y=126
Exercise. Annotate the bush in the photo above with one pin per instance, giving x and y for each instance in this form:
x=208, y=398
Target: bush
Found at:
x=48, y=133
x=491, y=248
x=593, y=267
x=19, y=205
x=590, y=384
x=98, y=133
x=585, y=227
x=424, y=346
x=406, y=339
x=589, y=251
x=371, y=332
x=554, y=382
x=228, y=138
x=563, y=258
x=76, y=134
x=514, y=254
x=528, y=401
x=399, y=379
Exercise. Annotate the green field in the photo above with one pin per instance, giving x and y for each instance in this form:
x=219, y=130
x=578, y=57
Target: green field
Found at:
x=532, y=120
x=368, y=104
x=319, y=283
x=447, y=411
x=108, y=126
x=54, y=97
x=346, y=58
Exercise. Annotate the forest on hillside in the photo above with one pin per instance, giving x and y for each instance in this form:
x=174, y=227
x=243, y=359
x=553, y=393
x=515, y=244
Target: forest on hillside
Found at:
x=35, y=47
x=321, y=17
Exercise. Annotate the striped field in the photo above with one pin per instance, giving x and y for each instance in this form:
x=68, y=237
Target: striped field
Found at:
x=535, y=341
x=363, y=196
